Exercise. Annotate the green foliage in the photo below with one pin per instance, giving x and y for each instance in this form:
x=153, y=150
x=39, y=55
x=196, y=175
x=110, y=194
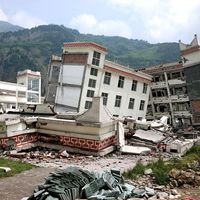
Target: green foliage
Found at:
x=32, y=49
x=137, y=170
x=16, y=167
x=160, y=171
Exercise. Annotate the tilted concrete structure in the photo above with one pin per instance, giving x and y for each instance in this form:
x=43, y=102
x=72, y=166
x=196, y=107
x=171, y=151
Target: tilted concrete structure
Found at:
x=82, y=73
x=93, y=132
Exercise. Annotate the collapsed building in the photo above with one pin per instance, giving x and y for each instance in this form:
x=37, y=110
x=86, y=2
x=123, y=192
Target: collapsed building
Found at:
x=83, y=72
x=175, y=88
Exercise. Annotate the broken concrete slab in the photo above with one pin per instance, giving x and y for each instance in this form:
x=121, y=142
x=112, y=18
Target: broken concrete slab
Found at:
x=5, y=169
x=135, y=150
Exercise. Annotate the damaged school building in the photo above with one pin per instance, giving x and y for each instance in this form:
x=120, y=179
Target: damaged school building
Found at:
x=91, y=104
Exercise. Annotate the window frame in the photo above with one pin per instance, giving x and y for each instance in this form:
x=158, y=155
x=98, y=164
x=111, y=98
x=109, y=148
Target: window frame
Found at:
x=96, y=58
x=90, y=93
x=88, y=104
x=145, y=86
x=92, y=83
x=93, y=71
x=107, y=78
x=142, y=103
x=121, y=81
x=118, y=100
x=134, y=85
x=131, y=103
x=105, y=98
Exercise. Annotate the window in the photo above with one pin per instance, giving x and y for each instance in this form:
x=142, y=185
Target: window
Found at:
x=121, y=82
x=92, y=83
x=134, y=85
x=118, y=101
x=140, y=118
x=142, y=102
x=131, y=103
x=93, y=71
x=107, y=78
x=90, y=93
x=88, y=104
x=96, y=58
x=105, y=98
x=144, y=88
x=33, y=84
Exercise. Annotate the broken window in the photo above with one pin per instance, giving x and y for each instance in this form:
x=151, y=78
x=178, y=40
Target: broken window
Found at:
x=118, y=101
x=107, y=78
x=176, y=75
x=93, y=71
x=96, y=58
x=142, y=102
x=33, y=84
x=90, y=93
x=144, y=88
x=121, y=82
x=105, y=98
x=131, y=103
x=88, y=104
x=134, y=85
x=92, y=83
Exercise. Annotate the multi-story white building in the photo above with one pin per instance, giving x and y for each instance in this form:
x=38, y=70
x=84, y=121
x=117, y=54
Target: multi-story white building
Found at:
x=27, y=90
x=32, y=81
x=82, y=73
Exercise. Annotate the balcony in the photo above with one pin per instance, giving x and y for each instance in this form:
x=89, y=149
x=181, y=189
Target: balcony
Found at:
x=182, y=113
x=179, y=98
x=158, y=100
x=156, y=85
x=176, y=82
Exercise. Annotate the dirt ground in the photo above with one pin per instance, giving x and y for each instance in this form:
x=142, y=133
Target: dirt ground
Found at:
x=23, y=184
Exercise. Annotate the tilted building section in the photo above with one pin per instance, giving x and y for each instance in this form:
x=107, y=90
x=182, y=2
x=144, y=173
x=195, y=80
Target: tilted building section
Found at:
x=175, y=89
x=83, y=73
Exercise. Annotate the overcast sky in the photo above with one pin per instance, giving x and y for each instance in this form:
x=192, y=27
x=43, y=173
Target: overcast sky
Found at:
x=151, y=20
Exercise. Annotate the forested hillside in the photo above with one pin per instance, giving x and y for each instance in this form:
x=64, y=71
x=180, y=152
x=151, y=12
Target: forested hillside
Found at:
x=32, y=48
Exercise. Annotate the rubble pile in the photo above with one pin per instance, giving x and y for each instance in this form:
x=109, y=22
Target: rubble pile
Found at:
x=74, y=183
x=179, y=178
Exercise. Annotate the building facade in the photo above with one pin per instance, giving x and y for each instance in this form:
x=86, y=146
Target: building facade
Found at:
x=83, y=73
x=191, y=65
x=32, y=81
x=25, y=91
x=175, y=89
x=168, y=95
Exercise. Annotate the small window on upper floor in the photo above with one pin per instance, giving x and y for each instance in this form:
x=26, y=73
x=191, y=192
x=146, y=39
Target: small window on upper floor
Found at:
x=105, y=98
x=93, y=71
x=107, y=78
x=121, y=82
x=92, y=83
x=96, y=58
x=144, y=88
x=134, y=85
x=142, y=102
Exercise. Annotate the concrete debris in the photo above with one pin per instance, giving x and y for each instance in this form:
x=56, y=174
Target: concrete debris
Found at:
x=5, y=169
x=74, y=183
x=135, y=150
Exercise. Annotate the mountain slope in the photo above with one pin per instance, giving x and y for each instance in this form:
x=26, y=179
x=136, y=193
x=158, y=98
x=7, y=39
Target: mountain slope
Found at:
x=6, y=27
x=32, y=48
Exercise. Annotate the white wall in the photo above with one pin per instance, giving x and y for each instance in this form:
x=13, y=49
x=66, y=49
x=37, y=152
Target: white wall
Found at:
x=113, y=90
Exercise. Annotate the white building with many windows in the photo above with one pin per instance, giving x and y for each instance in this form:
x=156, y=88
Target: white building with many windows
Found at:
x=82, y=73
x=27, y=90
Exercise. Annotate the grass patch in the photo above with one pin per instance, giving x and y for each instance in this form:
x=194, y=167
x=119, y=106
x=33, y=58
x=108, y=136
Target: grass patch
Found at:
x=161, y=168
x=16, y=167
x=137, y=170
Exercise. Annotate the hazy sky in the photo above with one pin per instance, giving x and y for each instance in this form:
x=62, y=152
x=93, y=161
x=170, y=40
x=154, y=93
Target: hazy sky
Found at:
x=151, y=20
